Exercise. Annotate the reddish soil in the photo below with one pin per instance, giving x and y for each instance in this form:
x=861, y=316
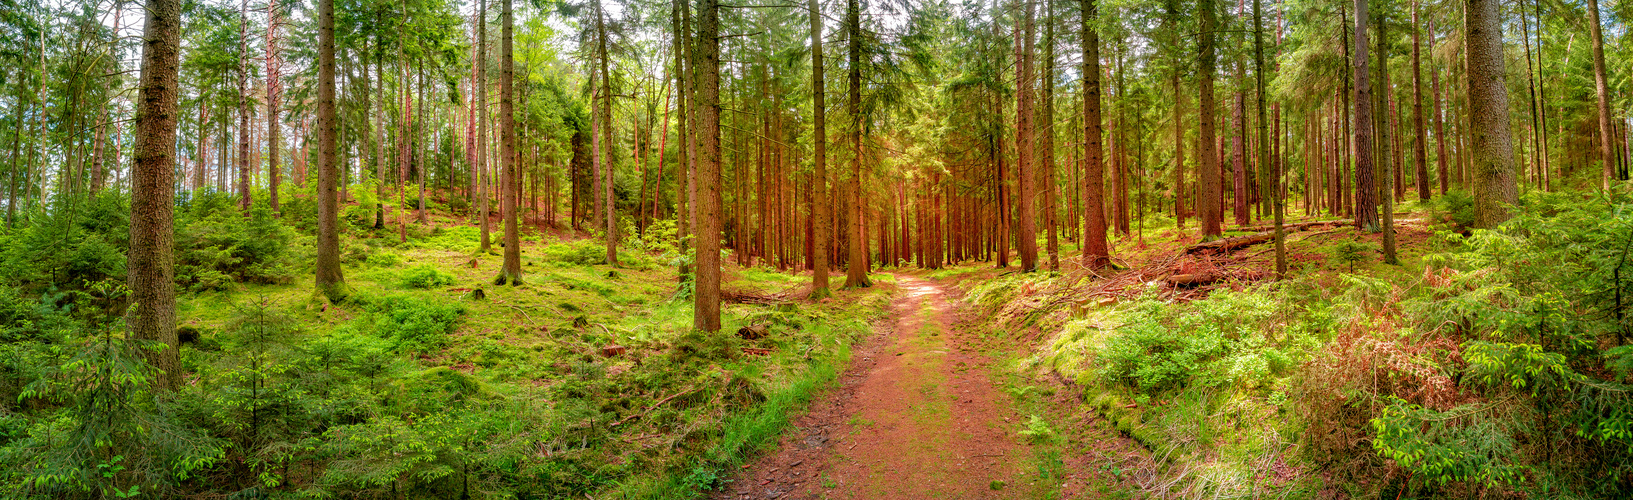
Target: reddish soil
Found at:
x=916, y=416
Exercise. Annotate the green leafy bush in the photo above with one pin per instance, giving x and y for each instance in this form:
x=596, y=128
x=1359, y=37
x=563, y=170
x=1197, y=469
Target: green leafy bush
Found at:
x=584, y=252
x=426, y=276
x=412, y=323
x=217, y=245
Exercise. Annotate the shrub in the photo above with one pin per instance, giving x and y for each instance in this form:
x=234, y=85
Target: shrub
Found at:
x=1352, y=252
x=216, y=245
x=426, y=276
x=585, y=252
x=412, y=323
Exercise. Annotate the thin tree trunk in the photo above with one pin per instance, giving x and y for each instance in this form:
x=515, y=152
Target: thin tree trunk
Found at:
x=1025, y=141
x=1607, y=159
x=1385, y=127
x=243, y=108
x=274, y=91
x=1366, y=190
x=482, y=122
x=856, y=272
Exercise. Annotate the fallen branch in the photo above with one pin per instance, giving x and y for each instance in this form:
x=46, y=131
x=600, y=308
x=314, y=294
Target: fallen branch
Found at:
x=1228, y=244
x=653, y=406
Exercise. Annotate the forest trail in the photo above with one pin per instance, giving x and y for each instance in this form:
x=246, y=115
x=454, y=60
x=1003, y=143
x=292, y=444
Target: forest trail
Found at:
x=916, y=416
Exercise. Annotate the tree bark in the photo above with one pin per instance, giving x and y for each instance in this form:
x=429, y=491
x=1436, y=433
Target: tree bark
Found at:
x=482, y=123
x=1366, y=189
x=1492, y=153
x=330, y=282
x=706, y=297
x=510, y=187
x=1025, y=139
x=274, y=91
x=856, y=266
x=151, y=261
x=1096, y=254
x=1420, y=138
x=819, y=140
x=1607, y=156
x=1208, y=179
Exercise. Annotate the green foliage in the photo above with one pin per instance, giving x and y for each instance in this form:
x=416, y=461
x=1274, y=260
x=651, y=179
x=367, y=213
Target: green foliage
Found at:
x=411, y=323
x=1037, y=430
x=1462, y=444
x=1353, y=252
x=1453, y=211
x=426, y=276
x=217, y=245
x=585, y=252
x=1224, y=339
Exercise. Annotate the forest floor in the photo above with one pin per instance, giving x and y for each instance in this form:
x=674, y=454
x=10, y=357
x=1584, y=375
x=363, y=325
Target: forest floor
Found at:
x=927, y=409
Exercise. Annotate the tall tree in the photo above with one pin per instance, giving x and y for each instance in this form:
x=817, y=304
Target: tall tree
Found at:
x=1388, y=190
x=151, y=262
x=330, y=282
x=509, y=183
x=243, y=107
x=1490, y=147
x=706, y=295
x=1046, y=142
x=1025, y=137
x=1209, y=187
x=610, y=210
x=1269, y=190
x=1607, y=157
x=820, y=209
x=856, y=269
x=1420, y=147
x=274, y=91
x=1366, y=190
x=1096, y=254
x=482, y=121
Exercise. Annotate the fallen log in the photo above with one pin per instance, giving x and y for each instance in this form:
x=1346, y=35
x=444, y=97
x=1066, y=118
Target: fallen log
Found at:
x=1294, y=226
x=1228, y=244
x=1193, y=279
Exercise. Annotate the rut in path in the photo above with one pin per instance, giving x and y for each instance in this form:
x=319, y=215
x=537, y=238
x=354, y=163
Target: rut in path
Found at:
x=916, y=417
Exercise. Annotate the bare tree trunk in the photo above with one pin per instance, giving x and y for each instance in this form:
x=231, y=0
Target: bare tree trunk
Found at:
x=1492, y=153
x=243, y=108
x=509, y=185
x=1096, y=254
x=1385, y=192
x=1025, y=142
x=1366, y=190
x=274, y=91
x=856, y=272
x=706, y=297
x=611, y=203
x=1607, y=158
x=1420, y=139
x=151, y=261
x=1208, y=179
x=1046, y=148
x=482, y=121
x=820, y=209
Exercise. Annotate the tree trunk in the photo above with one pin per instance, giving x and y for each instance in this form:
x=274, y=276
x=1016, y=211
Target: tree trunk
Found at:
x=274, y=90
x=1420, y=138
x=1386, y=193
x=1046, y=147
x=856, y=271
x=509, y=183
x=151, y=261
x=1607, y=158
x=1096, y=254
x=1366, y=190
x=1492, y=154
x=820, y=209
x=1443, y=169
x=706, y=297
x=1212, y=211
x=1025, y=140
x=611, y=204
x=243, y=108
x=482, y=123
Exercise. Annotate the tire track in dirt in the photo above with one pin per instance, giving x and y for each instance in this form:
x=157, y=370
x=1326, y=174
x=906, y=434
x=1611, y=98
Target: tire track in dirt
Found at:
x=916, y=416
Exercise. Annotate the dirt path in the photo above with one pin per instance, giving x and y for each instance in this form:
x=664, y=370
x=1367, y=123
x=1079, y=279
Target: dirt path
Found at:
x=916, y=417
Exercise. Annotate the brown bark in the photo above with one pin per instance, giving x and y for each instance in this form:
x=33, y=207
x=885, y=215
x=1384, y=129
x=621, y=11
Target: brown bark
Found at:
x=819, y=186
x=1366, y=190
x=1607, y=158
x=509, y=185
x=274, y=91
x=1420, y=150
x=1211, y=209
x=1025, y=140
x=151, y=261
x=1492, y=155
x=706, y=297
x=1096, y=255
x=856, y=265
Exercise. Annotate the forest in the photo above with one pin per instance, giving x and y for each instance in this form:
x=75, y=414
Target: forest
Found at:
x=904, y=249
